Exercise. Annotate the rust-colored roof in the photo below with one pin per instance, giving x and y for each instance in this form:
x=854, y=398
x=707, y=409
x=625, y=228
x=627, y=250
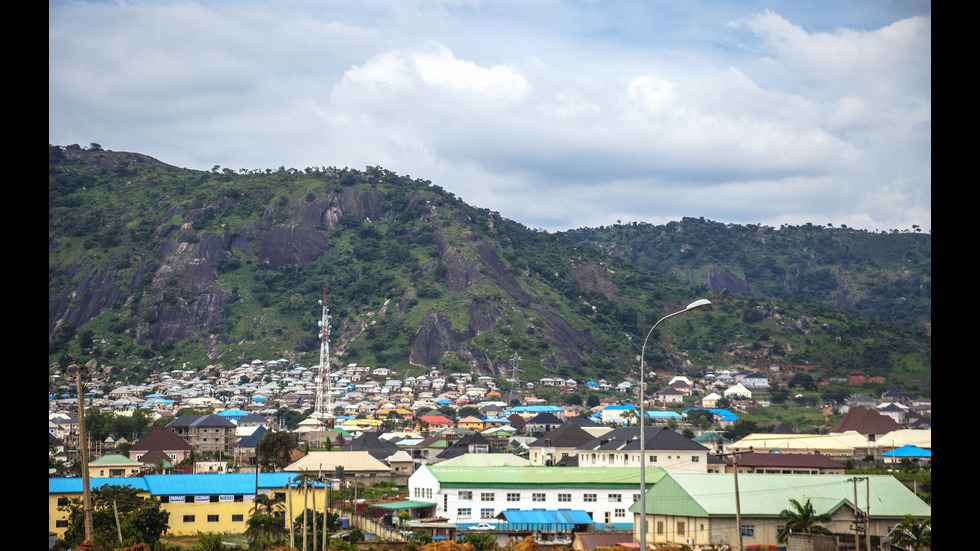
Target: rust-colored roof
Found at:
x=162, y=439
x=866, y=421
x=811, y=460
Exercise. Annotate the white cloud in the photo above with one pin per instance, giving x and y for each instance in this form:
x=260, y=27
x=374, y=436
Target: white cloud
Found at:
x=652, y=113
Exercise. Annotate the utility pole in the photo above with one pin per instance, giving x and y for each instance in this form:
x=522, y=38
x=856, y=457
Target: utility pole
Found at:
x=867, y=512
x=304, y=511
x=80, y=373
x=858, y=515
x=115, y=511
x=292, y=531
x=735, y=455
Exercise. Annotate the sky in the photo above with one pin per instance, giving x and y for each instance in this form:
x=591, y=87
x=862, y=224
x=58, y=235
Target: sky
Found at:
x=558, y=114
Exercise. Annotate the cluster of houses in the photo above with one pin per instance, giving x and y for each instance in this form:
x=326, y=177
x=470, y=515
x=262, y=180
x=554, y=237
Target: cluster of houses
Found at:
x=577, y=468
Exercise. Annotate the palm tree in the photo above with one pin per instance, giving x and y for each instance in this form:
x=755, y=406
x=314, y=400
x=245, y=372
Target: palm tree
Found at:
x=912, y=534
x=265, y=531
x=266, y=505
x=264, y=526
x=801, y=519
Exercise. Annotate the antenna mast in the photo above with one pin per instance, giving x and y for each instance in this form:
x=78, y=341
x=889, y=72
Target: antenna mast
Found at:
x=324, y=400
x=513, y=377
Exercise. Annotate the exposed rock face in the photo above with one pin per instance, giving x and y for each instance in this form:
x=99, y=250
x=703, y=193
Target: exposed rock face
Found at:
x=719, y=282
x=433, y=340
x=184, y=296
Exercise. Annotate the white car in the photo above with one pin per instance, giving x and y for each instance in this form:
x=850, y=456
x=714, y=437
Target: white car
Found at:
x=482, y=527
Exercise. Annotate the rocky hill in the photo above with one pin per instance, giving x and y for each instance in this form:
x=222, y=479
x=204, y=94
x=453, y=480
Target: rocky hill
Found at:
x=885, y=275
x=154, y=267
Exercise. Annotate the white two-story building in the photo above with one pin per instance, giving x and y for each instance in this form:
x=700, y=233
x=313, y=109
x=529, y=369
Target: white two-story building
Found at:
x=470, y=495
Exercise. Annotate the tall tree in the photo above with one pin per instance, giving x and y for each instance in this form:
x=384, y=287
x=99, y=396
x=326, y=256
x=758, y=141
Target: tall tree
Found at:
x=275, y=449
x=141, y=520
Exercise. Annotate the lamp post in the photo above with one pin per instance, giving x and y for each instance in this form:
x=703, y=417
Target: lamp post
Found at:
x=696, y=305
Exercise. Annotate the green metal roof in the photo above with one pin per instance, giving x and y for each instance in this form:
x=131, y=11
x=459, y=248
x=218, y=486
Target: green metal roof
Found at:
x=765, y=495
x=114, y=460
x=542, y=477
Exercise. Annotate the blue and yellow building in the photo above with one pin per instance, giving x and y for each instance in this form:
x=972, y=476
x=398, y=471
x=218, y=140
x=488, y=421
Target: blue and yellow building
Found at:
x=209, y=503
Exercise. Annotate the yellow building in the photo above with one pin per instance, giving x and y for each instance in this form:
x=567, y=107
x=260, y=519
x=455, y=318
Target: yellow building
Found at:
x=113, y=466
x=209, y=503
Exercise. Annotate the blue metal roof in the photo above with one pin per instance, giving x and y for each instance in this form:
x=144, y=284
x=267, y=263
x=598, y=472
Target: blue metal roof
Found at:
x=543, y=517
x=181, y=484
x=74, y=485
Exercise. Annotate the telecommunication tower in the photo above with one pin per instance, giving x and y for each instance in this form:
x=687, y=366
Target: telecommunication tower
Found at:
x=323, y=412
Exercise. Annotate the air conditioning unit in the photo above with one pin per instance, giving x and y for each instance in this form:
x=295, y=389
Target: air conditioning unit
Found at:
x=690, y=541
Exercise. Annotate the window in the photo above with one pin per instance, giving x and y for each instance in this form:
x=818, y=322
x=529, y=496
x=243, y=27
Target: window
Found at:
x=486, y=513
x=537, y=497
x=465, y=495
x=620, y=513
x=212, y=518
x=615, y=498
x=695, y=459
x=564, y=498
x=660, y=527
x=653, y=459
x=748, y=530
x=464, y=512
x=513, y=496
x=680, y=528
x=590, y=498
x=237, y=518
x=636, y=497
x=188, y=518
x=486, y=496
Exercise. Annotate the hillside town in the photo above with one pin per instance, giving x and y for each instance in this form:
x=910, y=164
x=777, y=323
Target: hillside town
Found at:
x=463, y=454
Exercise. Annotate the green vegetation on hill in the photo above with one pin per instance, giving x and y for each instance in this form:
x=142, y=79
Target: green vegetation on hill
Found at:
x=153, y=267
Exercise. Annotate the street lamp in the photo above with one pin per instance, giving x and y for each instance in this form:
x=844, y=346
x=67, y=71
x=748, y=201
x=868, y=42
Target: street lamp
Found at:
x=696, y=305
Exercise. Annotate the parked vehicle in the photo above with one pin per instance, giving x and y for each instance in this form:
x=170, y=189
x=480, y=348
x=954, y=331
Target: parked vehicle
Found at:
x=482, y=527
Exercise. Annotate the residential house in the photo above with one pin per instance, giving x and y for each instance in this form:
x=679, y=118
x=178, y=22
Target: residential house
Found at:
x=895, y=411
x=558, y=444
x=205, y=433
x=619, y=415
x=160, y=444
x=437, y=422
x=668, y=396
x=856, y=400
x=471, y=443
x=471, y=422
x=755, y=380
x=247, y=445
x=663, y=448
x=113, y=466
x=543, y=422
x=711, y=400
x=737, y=392
x=359, y=466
